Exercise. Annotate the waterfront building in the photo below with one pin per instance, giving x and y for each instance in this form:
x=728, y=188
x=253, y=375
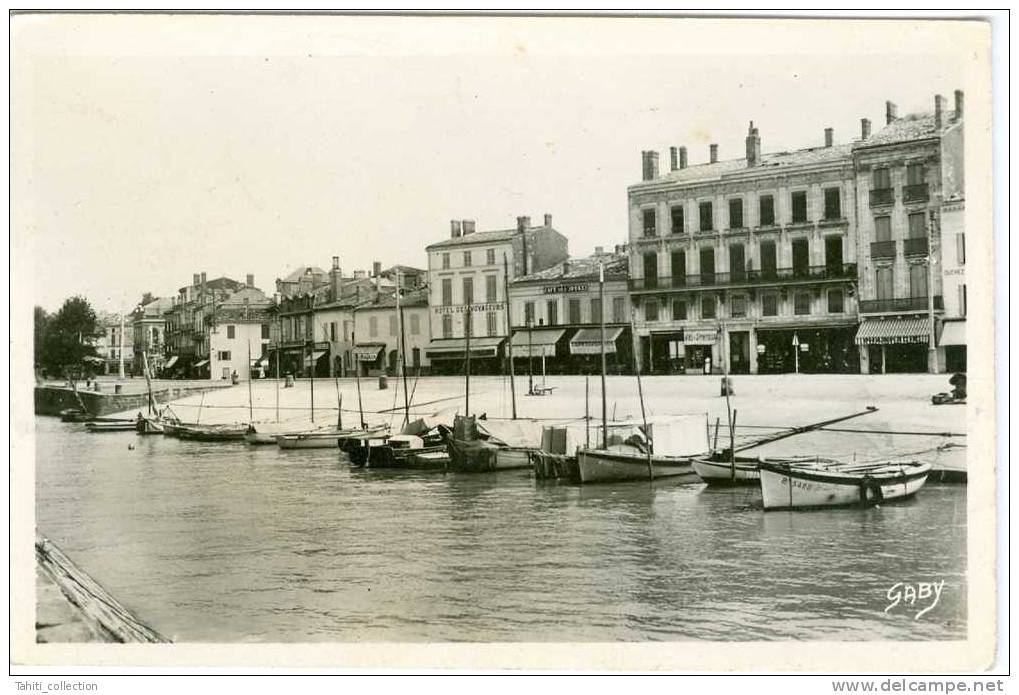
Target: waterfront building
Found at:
x=912, y=241
x=188, y=323
x=301, y=281
x=377, y=330
x=115, y=336
x=238, y=331
x=752, y=258
x=556, y=317
x=148, y=329
x=467, y=281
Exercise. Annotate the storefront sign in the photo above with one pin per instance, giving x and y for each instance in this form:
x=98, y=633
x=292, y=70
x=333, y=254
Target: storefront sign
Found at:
x=804, y=347
x=954, y=271
x=565, y=288
x=760, y=350
x=700, y=337
x=463, y=308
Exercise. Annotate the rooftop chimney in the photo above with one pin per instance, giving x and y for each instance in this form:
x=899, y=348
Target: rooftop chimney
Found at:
x=376, y=268
x=566, y=267
x=598, y=250
x=714, y=152
x=864, y=128
x=336, y=262
x=958, y=105
x=649, y=163
x=891, y=112
x=468, y=227
x=753, y=147
x=939, y=111
x=829, y=137
x=454, y=229
x=548, y=220
x=673, y=159
x=250, y=280
x=196, y=280
x=335, y=279
x=682, y=158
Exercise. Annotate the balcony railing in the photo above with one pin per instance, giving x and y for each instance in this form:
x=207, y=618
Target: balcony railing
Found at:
x=812, y=273
x=915, y=247
x=899, y=304
x=882, y=196
x=914, y=193
x=882, y=249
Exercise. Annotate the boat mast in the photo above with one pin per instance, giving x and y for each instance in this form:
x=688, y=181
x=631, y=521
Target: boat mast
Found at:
x=467, y=365
x=403, y=353
x=148, y=380
x=601, y=317
x=728, y=405
x=311, y=355
x=357, y=377
x=587, y=412
x=251, y=409
x=278, y=350
x=509, y=335
x=643, y=414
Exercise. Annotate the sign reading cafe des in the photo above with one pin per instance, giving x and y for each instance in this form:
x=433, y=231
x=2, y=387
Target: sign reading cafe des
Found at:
x=565, y=288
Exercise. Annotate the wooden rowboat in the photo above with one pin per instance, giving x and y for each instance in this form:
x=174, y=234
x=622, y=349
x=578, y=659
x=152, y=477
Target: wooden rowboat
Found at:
x=624, y=462
x=331, y=439
x=213, y=433
x=718, y=469
x=785, y=486
x=111, y=426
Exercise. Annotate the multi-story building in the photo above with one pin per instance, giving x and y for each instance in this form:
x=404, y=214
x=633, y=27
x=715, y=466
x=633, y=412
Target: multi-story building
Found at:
x=467, y=282
x=114, y=339
x=911, y=240
x=148, y=325
x=188, y=324
x=301, y=281
x=239, y=334
x=753, y=259
x=377, y=331
x=556, y=316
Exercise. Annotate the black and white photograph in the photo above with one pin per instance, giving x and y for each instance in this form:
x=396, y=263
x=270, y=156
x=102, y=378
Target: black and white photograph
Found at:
x=566, y=343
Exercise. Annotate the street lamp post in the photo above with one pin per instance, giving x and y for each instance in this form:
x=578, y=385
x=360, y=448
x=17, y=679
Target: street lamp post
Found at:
x=932, y=348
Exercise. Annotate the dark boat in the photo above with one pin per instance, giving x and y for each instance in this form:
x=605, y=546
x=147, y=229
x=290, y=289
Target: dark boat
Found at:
x=212, y=433
x=75, y=415
x=404, y=451
x=111, y=426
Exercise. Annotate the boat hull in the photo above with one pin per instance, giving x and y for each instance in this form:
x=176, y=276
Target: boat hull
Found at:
x=791, y=487
x=555, y=467
x=147, y=425
x=598, y=466
x=212, y=434
x=722, y=473
x=477, y=456
x=129, y=426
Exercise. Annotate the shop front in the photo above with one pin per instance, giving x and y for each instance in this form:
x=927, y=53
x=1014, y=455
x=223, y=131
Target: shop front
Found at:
x=953, y=340
x=586, y=350
x=449, y=355
x=700, y=351
x=894, y=345
x=540, y=350
x=370, y=358
x=666, y=352
x=808, y=350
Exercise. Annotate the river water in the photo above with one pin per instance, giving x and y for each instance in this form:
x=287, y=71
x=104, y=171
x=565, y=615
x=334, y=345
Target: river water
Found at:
x=232, y=543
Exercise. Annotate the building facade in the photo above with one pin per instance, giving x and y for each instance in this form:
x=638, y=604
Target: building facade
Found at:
x=377, y=329
x=114, y=340
x=910, y=175
x=467, y=276
x=189, y=322
x=148, y=326
x=239, y=335
x=751, y=260
x=556, y=317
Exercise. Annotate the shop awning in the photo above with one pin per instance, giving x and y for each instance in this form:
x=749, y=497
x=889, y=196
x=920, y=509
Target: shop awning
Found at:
x=536, y=342
x=453, y=348
x=170, y=362
x=893, y=331
x=953, y=333
x=308, y=361
x=367, y=352
x=587, y=341
x=260, y=362
x=90, y=358
x=202, y=363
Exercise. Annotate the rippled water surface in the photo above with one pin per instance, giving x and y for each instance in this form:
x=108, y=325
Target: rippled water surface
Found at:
x=226, y=542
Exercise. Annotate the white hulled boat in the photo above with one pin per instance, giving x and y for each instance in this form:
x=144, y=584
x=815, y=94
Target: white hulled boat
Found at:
x=785, y=486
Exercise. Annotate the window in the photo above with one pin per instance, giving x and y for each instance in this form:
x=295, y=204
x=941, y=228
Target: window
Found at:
x=884, y=286
x=468, y=290
x=552, y=309
x=223, y=356
x=373, y=326
x=650, y=269
x=707, y=217
x=918, y=280
x=416, y=353
x=882, y=228
x=596, y=310
x=415, y=324
x=490, y=286
x=737, y=263
x=769, y=262
x=230, y=332
x=619, y=310
x=799, y=202
x=917, y=225
x=445, y=261
x=467, y=259
x=447, y=326
x=679, y=310
x=801, y=306
x=707, y=265
x=769, y=304
x=915, y=174
x=650, y=222
x=677, y=219
x=836, y=302
x=832, y=204
x=708, y=308
x=348, y=330
x=265, y=332
x=528, y=313
x=332, y=331
x=678, y=268
x=882, y=178
x=960, y=248
x=447, y=291
x=490, y=256
x=738, y=306
x=801, y=257
x=736, y=213
x=574, y=311
x=962, y=300
x=650, y=309
x=490, y=323
x=394, y=329
x=767, y=210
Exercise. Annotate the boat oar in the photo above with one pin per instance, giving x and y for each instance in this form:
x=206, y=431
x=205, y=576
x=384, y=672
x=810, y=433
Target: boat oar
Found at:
x=805, y=428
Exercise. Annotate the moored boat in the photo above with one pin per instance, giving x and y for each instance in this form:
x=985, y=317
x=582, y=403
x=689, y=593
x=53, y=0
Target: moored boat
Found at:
x=212, y=433
x=110, y=426
x=75, y=415
x=625, y=462
x=327, y=439
x=790, y=486
x=265, y=433
x=149, y=425
x=400, y=451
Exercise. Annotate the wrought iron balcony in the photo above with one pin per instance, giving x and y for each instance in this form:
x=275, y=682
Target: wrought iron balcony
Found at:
x=915, y=247
x=915, y=193
x=882, y=196
x=882, y=249
x=814, y=273
x=899, y=304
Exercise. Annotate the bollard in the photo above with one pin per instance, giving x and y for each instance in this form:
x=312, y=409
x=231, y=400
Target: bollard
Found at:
x=726, y=387
x=117, y=388
x=383, y=382
x=290, y=381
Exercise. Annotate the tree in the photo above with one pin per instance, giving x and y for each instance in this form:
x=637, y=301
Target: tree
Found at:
x=42, y=320
x=146, y=299
x=67, y=341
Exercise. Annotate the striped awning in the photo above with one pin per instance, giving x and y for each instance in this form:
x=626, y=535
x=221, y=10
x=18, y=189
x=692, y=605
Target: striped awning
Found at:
x=367, y=352
x=536, y=342
x=456, y=348
x=893, y=331
x=170, y=362
x=587, y=341
x=953, y=333
x=309, y=360
x=201, y=363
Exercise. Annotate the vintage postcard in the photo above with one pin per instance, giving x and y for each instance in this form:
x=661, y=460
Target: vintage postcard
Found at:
x=502, y=342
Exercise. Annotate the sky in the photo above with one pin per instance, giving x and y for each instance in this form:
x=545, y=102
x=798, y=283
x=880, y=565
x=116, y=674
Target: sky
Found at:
x=146, y=149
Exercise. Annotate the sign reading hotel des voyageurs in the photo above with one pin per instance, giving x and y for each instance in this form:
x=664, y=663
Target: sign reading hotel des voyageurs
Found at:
x=463, y=308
